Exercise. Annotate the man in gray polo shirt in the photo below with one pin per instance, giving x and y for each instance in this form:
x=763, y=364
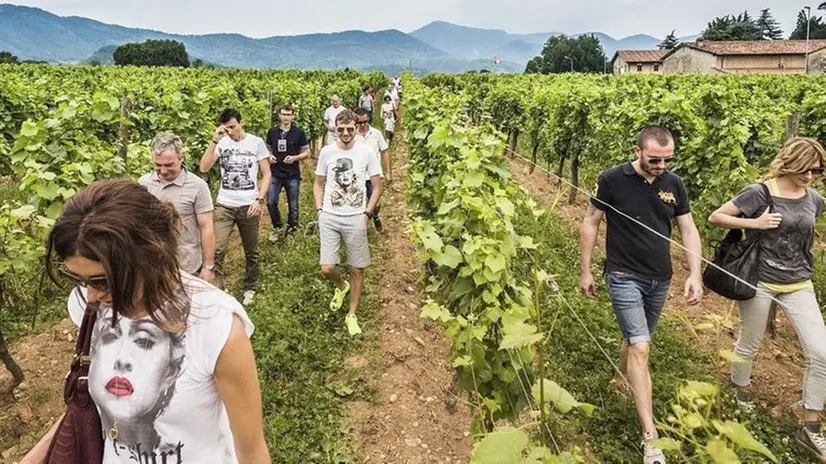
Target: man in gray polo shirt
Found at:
x=170, y=181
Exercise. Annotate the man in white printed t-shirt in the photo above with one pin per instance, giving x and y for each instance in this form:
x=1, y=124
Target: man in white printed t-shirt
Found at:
x=242, y=196
x=373, y=138
x=344, y=211
x=330, y=119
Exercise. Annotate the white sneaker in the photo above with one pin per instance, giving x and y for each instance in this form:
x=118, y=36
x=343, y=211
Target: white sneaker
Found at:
x=650, y=454
x=249, y=295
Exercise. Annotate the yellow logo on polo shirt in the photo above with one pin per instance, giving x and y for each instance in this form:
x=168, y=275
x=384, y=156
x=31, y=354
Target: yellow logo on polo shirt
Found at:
x=667, y=197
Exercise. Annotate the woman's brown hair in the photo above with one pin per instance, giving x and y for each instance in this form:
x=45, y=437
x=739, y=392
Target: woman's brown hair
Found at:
x=796, y=157
x=119, y=224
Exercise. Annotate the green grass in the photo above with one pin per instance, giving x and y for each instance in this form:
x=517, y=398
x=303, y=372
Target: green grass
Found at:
x=300, y=348
x=576, y=362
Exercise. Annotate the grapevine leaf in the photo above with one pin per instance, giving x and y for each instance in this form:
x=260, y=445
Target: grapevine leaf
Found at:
x=517, y=335
x=29, y=129
x=495, y=262
x=451, y=257
x=721, y=453
x=666, y=444
x=557, y=395
x=436, y=312
x=504, y=445
x=23, y=211
x=741, y=437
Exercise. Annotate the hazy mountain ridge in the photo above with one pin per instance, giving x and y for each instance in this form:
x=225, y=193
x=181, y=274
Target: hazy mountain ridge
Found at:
x=32, y=33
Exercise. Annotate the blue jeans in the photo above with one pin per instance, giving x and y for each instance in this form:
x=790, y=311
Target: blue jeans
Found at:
x=638, y=303
x=291, y=186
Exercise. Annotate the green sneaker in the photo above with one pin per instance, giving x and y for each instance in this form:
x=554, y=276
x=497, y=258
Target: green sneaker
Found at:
x=352, y=324
x=338, y=298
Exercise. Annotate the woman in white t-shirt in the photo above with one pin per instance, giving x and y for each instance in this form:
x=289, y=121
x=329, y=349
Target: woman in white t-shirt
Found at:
x=172, y=371
x=388, y=113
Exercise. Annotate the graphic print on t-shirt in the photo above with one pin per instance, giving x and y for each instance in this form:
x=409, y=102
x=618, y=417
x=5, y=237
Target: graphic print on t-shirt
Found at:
x=132, y=381
x=790, y=248
x=346, y=192
x=235, y=169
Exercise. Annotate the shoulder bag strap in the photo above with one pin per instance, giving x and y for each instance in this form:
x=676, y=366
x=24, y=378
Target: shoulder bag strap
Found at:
x=769, y=198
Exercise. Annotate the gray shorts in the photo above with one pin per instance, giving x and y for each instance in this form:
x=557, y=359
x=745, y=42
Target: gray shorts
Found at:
x=352, y=230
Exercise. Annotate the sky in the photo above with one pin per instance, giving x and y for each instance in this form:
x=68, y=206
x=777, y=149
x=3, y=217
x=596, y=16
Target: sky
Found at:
x=264, y=18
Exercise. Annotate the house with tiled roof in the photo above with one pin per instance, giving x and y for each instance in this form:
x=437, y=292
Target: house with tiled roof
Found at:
x=638, y=61
x=746, y=57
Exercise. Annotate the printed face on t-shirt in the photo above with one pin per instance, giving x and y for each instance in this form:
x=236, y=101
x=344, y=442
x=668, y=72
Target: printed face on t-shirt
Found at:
x=136, y=363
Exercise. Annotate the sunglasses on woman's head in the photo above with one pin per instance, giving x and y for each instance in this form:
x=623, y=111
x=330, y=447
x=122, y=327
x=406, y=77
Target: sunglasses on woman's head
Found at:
x=100, y=283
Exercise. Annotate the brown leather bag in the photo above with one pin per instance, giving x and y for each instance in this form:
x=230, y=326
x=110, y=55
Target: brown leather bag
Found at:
x=79, y=437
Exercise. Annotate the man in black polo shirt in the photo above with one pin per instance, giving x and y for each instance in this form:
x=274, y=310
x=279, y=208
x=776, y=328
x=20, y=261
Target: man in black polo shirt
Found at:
x=638, y=267
x=288, y=145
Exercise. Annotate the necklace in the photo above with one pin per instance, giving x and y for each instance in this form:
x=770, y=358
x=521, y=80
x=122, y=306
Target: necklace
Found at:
x=113, y=432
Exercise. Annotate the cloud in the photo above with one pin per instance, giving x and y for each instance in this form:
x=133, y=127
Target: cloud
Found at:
x=263, y=18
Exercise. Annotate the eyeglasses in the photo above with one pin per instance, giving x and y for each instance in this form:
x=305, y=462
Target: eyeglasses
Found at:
x=100, y=283
x=665, y=160
x=818, y=171
x=361, y=123
x=342, y=130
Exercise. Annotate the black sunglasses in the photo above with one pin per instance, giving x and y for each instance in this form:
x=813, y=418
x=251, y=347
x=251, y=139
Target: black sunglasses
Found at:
x=345, y=129
x=665, y=160
x=100, y=283
x=361, y=123
x=815, y=171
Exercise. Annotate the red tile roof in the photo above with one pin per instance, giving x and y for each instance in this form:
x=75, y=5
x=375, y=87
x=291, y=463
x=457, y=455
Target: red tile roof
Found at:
x=640, y=56
x=757, y=47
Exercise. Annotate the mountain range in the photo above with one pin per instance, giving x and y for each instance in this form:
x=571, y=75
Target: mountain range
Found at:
x=35, y=34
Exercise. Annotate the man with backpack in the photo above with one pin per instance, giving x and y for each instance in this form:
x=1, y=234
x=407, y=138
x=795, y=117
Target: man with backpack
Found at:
x=638, y=267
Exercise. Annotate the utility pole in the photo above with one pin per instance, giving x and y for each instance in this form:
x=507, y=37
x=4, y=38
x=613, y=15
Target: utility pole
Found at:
x=808, y=31
x=572, y=62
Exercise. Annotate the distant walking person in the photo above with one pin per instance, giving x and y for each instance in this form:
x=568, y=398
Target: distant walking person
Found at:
x=344, y=211
x=330, y=114
x=638, y=268
x=241, y=198
x=171, y=181
x=366, y=102
x=288, y=146
x=388, y=114
x=373, y=138
x=786, y=237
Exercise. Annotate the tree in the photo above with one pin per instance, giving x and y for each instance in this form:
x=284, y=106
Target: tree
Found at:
x=670, y=42
x=818, y=27
x=152, y=53
x=730, y=27
x=7, y=57
x=562, y=53
x=769, y=26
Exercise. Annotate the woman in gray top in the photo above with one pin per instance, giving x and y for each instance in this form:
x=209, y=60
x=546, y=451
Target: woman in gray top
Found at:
x=785, y=273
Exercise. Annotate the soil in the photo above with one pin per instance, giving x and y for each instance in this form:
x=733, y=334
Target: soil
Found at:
x=778, y=369
x=418, y=417
x=44, y=359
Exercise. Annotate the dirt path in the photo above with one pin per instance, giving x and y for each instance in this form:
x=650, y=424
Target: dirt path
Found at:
x=417, y=419
x=778, y=370
x=44, y=359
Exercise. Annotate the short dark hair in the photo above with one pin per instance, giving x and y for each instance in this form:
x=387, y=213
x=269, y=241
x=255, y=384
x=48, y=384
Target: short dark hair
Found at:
x=361, y=112
x=346, y=116
x=229, y=114
x=387, y=97
x=655, y=132
x=286, y=107
x=366, y=88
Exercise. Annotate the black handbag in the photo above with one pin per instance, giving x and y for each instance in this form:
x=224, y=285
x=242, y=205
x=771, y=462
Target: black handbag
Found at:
x=739, y=254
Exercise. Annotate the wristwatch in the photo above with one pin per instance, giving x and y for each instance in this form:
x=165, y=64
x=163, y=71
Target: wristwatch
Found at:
x=369, y=214
x=261, y=201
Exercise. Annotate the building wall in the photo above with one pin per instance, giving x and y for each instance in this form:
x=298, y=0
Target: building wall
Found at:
x=689, y=60
x=817, y=62
x=763, y=64
x=621, y=67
